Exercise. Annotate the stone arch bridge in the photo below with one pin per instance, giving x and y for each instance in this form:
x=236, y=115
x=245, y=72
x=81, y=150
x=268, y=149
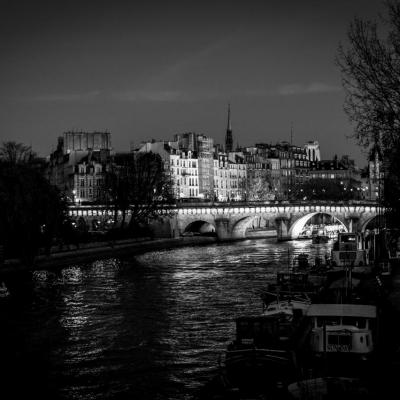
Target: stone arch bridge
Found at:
x=231, y=221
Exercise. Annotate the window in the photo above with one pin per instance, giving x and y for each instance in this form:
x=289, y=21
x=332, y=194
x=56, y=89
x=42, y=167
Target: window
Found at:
x=341, y=340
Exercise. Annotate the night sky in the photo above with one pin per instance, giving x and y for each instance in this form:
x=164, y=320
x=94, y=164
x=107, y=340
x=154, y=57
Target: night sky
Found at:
x=145, y=70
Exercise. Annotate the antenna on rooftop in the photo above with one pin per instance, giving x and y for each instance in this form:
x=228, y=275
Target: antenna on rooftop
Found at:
x=291, y=133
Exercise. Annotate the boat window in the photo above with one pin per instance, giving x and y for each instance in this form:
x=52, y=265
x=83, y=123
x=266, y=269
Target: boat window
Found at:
x=347, y=238
x=367, y=339
x=361, y=339
x=328, y=321
x=332, y=339
x=342, y=340
x=345, y=340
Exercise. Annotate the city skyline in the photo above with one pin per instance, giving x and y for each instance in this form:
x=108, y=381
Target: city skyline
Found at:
x=149, y=71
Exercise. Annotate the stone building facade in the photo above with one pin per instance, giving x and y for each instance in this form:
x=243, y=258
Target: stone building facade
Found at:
x=78, y=164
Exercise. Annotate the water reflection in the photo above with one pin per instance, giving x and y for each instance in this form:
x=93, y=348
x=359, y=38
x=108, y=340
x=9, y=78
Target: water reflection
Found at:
x=147, y=328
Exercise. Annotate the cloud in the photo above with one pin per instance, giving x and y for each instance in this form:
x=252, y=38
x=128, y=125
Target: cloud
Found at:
x=167, y=95
x=314, y=87
x=151, y=95
x=123, y=95
x=66, y=97
x=170, y=95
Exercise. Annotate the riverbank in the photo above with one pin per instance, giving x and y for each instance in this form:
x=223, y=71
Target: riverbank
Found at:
x=93, y=251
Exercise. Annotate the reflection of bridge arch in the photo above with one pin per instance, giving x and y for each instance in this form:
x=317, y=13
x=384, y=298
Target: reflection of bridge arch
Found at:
x=298, y=225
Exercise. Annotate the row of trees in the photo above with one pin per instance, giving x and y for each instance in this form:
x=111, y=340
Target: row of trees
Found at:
x=261, y=189
x=326, y=189
x=32, y=211
x=34, y=214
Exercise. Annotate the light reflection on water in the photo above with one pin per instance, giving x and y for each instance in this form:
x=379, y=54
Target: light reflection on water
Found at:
x=151, y=327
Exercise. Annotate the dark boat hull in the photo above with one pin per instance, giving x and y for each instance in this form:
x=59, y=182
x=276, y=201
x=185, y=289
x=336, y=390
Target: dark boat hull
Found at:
x=320, y=239
x=259, y=368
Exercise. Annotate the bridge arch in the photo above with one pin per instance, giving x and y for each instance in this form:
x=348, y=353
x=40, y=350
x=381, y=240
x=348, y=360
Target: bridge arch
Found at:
x=199, y=226
x=242, y=225
x=374, y=218
x=299, y=224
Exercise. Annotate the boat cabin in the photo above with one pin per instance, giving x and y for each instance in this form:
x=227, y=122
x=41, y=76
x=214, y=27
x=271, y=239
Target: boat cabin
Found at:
x=276, y=325
x=292, y=282
x=348, y=251
x=261, y=331
x=292, y=278
x=344, y=328
x=348, y=241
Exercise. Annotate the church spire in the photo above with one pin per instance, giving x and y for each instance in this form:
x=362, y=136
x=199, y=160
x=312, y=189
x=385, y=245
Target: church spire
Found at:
x=229, y=127
x=228, y=136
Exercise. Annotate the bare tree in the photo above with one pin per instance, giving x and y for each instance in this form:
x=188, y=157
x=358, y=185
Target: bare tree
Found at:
x=138, y=186
x=15, y=153
x=370, y=69
x=150, y=188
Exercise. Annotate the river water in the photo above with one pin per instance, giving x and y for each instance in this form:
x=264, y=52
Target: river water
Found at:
x=146, y=327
